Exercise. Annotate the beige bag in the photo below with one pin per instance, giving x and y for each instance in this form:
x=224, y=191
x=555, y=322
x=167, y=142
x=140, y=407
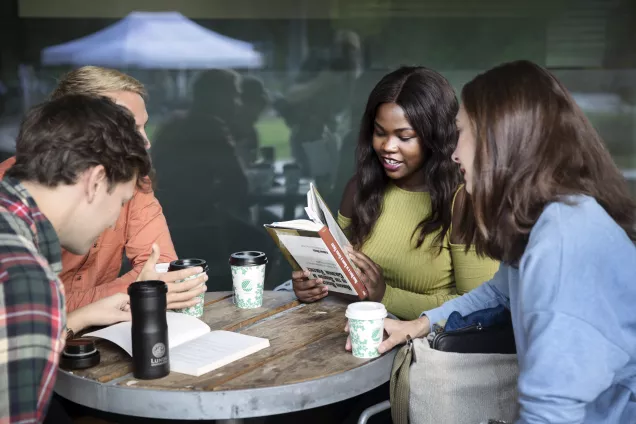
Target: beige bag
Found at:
x=430, y=386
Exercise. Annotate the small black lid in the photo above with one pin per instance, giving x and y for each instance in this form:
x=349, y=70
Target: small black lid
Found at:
x=187, y=263
x=148, y=288
x=79, y=347
x=248, y=258
x=79, y=354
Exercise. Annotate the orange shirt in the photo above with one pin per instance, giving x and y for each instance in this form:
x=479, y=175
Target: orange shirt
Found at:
x=93, y=276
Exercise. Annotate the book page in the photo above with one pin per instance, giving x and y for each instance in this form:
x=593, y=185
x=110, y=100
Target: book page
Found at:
x=331, y=223
x=213, y=350
x=181, y=329
x=313, y=210
x=117, y=333
x=312, y=255
x=298, y=224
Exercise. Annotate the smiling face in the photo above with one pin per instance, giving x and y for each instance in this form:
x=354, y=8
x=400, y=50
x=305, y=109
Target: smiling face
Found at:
x=464, y=153
x=398, y=147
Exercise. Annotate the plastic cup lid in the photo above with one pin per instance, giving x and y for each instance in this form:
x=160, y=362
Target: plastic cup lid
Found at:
x=366, y=310
x=248, y=258
x=187, y=263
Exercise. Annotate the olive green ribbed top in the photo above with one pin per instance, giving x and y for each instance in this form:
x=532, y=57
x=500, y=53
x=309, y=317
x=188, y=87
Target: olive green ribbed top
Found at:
x=418, y=279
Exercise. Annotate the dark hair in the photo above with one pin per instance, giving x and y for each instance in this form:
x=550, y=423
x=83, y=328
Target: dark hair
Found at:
x=534, y=146
x=430, y=106
x=216, y=90
x=61, y=138
x=253, y=89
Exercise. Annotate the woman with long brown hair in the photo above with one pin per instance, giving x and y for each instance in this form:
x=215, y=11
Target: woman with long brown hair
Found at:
x=552, y=206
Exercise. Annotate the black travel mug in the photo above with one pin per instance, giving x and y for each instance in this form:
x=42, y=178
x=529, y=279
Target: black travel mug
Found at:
x=149, y=330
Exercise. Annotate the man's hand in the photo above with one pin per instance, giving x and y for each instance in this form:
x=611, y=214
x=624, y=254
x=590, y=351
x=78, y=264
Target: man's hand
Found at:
x=307, y=290
x=180, y=295
x=106, y=311
x=371, y=275
x=397, y=331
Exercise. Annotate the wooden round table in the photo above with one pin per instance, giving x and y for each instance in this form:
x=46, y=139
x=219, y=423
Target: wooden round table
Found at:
x=305, y=367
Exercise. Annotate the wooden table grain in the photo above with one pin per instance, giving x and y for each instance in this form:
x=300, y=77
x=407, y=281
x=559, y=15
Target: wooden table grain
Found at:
x=305, y=366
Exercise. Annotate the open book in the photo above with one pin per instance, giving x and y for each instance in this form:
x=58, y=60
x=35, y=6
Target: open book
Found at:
x=194, y=349
x=318, y=245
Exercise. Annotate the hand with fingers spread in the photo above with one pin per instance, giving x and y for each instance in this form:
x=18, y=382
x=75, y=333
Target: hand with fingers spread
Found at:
x=308, y=290
x=180, y=295
x=397, y=331
x=371, y=274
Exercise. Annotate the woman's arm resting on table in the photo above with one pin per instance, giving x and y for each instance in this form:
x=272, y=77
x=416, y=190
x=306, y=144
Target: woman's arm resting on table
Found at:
x=398, y=332
x=488, y=295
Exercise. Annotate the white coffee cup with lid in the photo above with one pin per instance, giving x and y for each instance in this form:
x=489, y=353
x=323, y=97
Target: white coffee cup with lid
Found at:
x=366, y=328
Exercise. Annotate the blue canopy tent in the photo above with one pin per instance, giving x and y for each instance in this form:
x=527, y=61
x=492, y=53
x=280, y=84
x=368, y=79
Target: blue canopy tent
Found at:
x=155, y=40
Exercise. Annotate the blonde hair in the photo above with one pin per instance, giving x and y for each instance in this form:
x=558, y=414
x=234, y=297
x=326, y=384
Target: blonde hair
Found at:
x=95, y=80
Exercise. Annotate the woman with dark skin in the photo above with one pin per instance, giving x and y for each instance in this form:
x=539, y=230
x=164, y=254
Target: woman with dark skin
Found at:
x=399, y=207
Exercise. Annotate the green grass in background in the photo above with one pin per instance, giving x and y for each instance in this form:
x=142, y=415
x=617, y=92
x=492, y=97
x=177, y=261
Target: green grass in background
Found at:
x=273, y=132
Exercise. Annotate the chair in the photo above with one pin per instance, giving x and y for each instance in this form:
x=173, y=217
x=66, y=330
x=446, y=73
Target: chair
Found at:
x=373, y=410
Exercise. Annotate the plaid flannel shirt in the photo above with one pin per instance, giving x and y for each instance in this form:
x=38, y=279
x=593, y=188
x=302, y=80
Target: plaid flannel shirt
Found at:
x=32, y=311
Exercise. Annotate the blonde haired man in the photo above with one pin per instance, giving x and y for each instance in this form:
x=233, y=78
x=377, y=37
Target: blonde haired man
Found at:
x=95, y=275
x=123, y=89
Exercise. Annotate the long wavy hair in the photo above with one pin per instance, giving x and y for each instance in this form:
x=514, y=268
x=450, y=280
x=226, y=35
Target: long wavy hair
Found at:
x=430, y=106
x=534, y=146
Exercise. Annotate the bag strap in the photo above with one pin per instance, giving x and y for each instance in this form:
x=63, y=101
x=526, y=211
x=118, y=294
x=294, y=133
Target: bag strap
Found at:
x=400, y=385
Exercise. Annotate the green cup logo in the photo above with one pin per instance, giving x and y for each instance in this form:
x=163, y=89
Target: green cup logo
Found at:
x=246, y=286
x=375, y=336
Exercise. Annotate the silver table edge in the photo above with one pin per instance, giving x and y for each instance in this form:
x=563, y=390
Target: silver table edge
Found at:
x=228, y=404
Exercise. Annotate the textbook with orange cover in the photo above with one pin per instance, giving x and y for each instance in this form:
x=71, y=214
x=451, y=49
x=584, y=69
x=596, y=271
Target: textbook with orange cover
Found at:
x=318, y=245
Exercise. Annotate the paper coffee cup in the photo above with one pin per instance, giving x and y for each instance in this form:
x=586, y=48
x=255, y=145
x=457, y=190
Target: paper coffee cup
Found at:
x=196, y=310
x=248, y=278
x=366, y=328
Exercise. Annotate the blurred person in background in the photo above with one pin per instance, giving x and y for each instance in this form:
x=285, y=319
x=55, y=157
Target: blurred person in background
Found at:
x=201, y=180
x=320, y=93
x=198, y=146
x=254, y=101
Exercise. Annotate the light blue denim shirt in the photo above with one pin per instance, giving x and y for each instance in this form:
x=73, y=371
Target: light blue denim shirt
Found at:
x=573, y=305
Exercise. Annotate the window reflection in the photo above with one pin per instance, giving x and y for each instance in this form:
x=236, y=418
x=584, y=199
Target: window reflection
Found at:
x=245, y=112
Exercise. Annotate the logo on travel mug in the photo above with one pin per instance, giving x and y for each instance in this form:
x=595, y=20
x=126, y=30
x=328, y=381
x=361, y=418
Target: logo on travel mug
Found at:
x=159, y=350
